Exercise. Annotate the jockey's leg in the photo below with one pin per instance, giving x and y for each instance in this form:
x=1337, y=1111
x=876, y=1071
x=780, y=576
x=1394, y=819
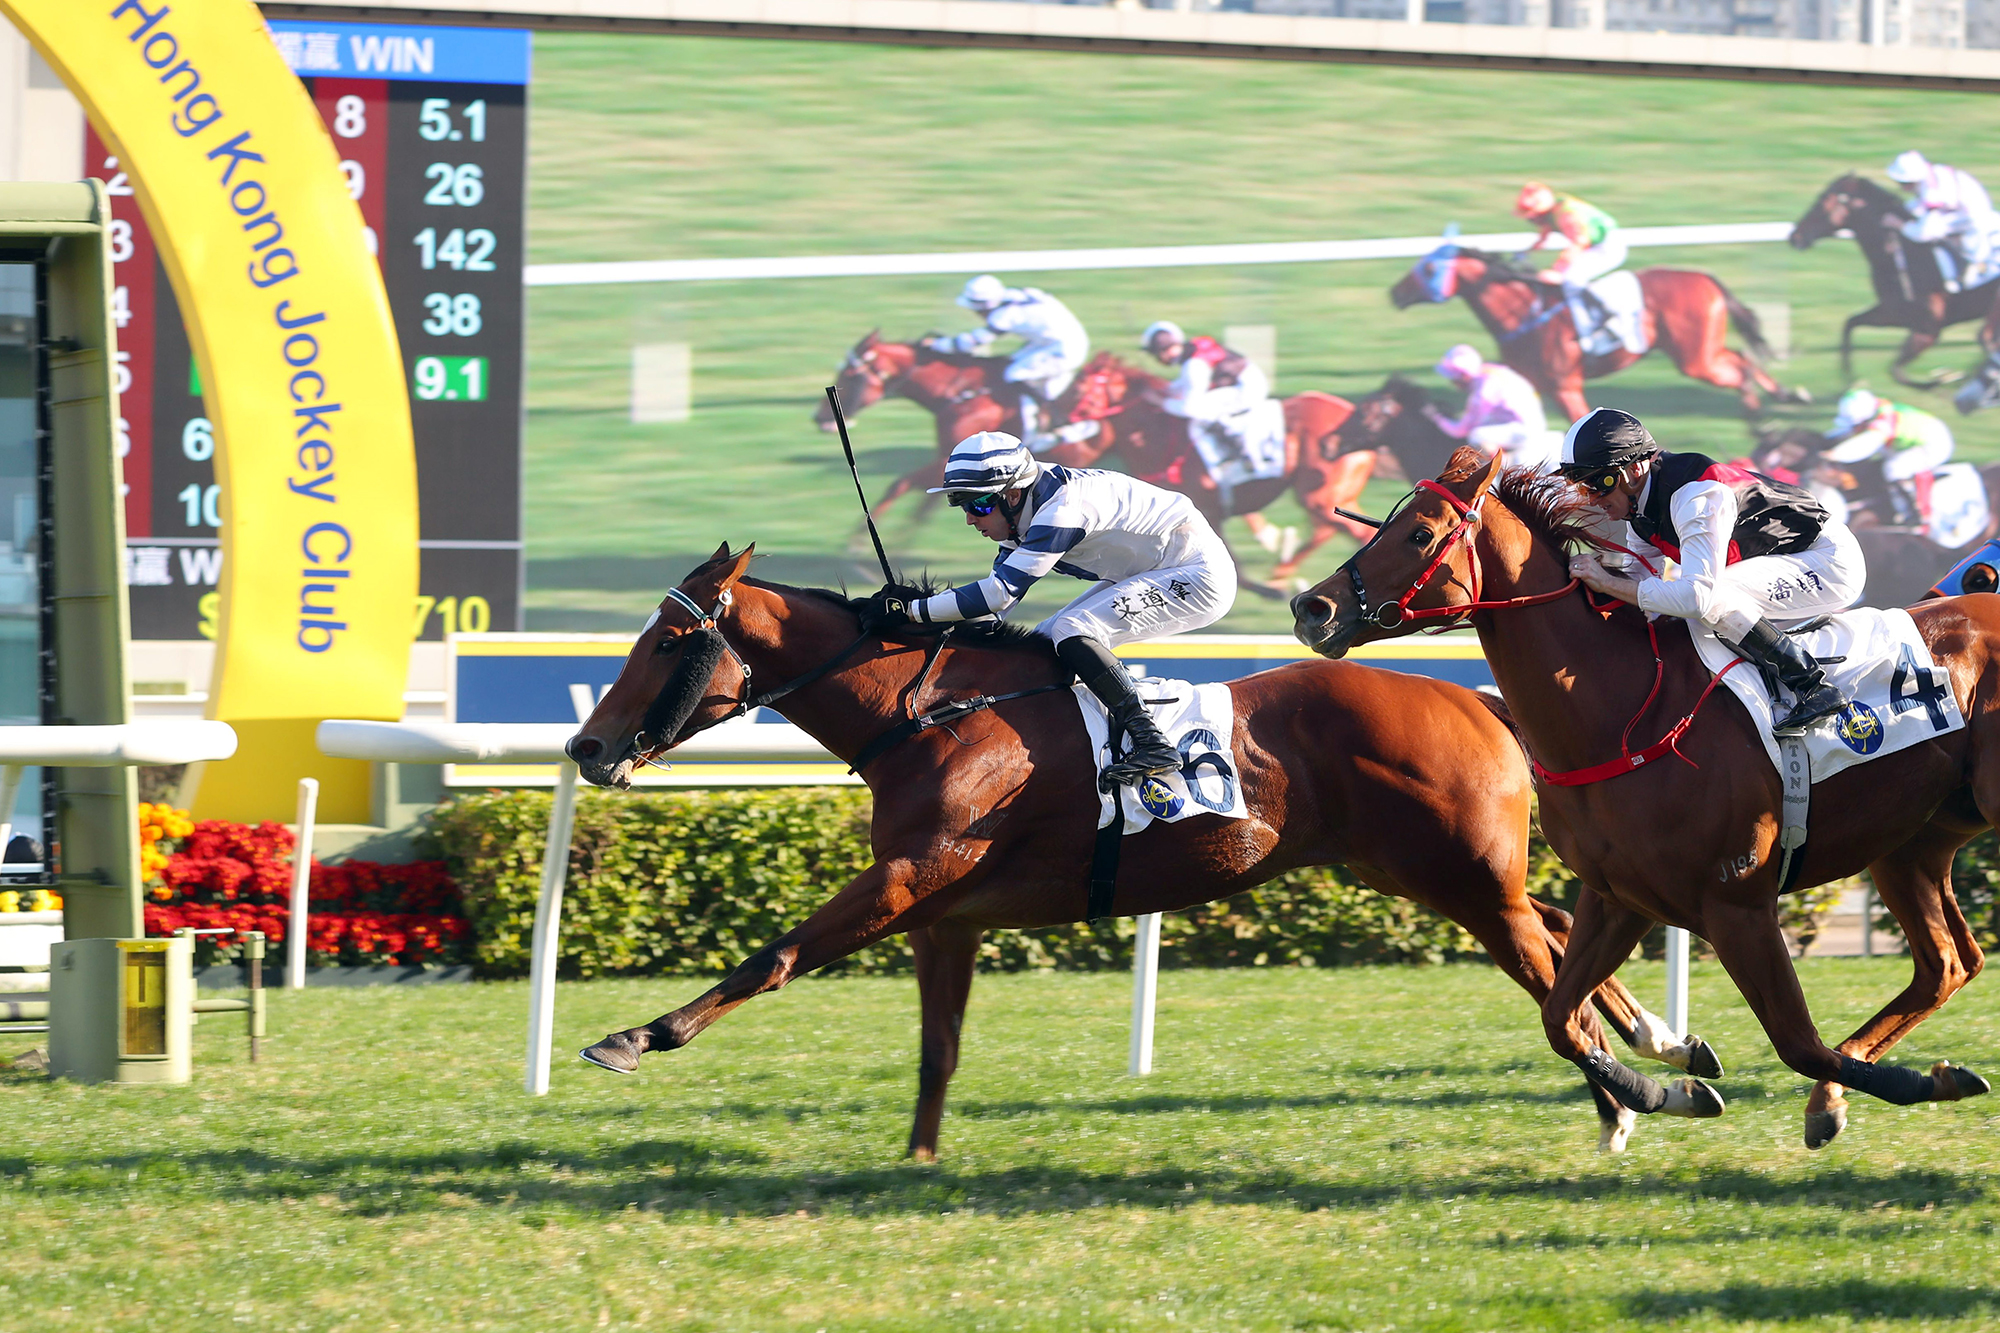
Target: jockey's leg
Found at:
x=1193, y=592
x=1825, y=577
x=1105, y=676
x=1910, y=469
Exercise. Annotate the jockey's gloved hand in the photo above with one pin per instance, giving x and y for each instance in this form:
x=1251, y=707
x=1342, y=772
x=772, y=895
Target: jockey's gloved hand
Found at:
x=891, y=605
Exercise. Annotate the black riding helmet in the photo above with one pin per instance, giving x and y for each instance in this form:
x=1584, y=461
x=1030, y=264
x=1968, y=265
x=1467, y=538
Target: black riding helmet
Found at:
x=1600, y=443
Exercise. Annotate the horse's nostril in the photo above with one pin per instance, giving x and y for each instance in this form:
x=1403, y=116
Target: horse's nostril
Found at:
x=583, y=749
x=1314, y=609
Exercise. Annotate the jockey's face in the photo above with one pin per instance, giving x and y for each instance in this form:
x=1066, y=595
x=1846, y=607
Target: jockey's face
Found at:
x=996, y=526
x=1166, y=350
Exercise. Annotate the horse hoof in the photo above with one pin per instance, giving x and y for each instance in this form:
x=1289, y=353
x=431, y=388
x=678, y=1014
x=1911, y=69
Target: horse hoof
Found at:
x=1801, y=394
x=1692, y=1099
x=1956, y=1082
x=617, y=1053
x=923, y=1155
x=1823, y=1126
x=1703, y=1062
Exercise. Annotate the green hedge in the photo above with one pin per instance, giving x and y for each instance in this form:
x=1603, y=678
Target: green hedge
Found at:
x=693, y=882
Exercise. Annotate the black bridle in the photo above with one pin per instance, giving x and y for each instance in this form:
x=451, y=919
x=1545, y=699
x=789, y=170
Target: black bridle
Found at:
x=702, y=648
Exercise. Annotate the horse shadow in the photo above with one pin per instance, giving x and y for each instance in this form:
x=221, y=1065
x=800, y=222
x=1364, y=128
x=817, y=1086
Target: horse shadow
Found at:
x=1858, y=1299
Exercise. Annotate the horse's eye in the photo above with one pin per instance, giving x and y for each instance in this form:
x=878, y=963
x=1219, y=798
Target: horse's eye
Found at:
x=667, y=643
x=1421, y=538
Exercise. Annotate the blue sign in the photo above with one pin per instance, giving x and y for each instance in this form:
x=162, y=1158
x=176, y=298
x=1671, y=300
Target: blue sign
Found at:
x=402, y=51
x=1859, y=728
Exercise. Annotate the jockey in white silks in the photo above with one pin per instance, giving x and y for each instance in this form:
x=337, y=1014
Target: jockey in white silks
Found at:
x=1953, y=212
x=1225, y=398
x=1751, y=550
x=1158, y=567
x=1908, y=443
x=1503, y=413
x=1053, y=345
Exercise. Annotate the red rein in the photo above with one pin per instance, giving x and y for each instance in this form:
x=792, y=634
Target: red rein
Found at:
x=1628, y=760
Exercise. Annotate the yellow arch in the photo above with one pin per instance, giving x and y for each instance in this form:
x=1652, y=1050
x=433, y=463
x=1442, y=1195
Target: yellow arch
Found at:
x=300, y=371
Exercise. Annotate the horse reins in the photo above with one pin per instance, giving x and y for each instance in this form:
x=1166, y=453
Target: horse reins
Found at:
x=1628, y=760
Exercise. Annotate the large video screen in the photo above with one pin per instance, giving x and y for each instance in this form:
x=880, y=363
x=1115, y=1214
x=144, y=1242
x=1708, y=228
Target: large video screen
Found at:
x=664, y=417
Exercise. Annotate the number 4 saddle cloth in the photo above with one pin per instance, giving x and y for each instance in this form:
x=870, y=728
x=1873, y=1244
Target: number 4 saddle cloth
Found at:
x=1199, y=720
x=1899, y=696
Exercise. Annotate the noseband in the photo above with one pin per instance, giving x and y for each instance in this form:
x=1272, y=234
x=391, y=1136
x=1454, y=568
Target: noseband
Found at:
x=660, y=729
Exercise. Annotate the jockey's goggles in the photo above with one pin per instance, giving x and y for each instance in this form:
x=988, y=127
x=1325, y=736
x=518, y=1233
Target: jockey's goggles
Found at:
x=1597, y=480
x=977, y=505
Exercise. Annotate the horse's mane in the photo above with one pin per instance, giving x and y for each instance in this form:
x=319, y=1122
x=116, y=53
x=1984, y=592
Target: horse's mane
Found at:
x=960, y=360
x=1405, y=390
x=1502, y=267
x=1870, y=190
x=1555, y=512
x=997, y=635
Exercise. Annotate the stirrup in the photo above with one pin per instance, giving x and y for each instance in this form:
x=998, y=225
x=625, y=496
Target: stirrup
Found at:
x=1823, y=702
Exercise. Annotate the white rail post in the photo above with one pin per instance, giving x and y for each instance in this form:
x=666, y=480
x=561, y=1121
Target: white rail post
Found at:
x=548, y=930
x=1868, y=919
x=302, y=859
x=1677, y=980
x=1145, y=992
x=10, y=790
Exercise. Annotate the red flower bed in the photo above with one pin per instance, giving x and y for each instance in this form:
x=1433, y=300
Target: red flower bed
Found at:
x=239, y=877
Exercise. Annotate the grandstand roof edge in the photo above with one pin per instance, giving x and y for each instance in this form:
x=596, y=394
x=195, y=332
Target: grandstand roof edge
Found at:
x=1232, y=35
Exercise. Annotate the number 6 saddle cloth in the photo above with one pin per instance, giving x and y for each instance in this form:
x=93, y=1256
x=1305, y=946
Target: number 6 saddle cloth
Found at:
x=1199, y=720
x=1899, y=695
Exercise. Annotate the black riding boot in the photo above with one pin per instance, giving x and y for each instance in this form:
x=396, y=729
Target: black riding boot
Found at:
x=1105, y=676
x=1780, y=655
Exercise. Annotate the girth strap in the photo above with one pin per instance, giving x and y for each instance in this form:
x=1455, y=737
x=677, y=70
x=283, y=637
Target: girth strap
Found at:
x=1104, y=861
x=942, y=715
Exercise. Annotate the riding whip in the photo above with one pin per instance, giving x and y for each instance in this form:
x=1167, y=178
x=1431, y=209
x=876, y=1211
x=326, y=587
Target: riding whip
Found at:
x=833, y=401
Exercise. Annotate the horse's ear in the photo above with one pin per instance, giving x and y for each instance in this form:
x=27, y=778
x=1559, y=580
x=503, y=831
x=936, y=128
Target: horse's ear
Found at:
x=874, y=336
x=1485, y=478
x=736, y=570
x=721, y=553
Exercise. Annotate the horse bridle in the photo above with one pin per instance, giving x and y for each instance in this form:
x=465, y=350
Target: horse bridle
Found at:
x=1390, y=615
x=682, y=692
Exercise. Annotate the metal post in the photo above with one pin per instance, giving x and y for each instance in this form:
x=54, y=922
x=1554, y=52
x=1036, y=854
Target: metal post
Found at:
x=1873, y=13
x=1145, y=992
x=548, y=930
x=302, y=857
x=1415, y=12
x=1868, y=920
x=1677, y=980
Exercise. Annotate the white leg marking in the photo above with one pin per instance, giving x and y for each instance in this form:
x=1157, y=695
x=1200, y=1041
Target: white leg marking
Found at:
x=1653, y=1039
x=1612, y=1135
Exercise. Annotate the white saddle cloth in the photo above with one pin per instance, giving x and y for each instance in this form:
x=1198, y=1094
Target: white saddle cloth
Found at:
x=1624, y=316
x=1199, y=721
x=1899, y=695
x=1959, y=511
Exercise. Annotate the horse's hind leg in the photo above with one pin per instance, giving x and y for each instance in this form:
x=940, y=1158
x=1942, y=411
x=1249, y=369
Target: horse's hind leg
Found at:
x=876, y=904
x=1914, y=883
x=1636, y=1025
x=946, y=954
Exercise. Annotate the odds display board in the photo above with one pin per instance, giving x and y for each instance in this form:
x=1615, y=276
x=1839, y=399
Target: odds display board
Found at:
x=431, y=125
x=560, y=677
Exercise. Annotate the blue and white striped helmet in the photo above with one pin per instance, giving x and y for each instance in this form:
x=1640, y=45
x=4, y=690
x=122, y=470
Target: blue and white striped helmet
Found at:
x=992, y=460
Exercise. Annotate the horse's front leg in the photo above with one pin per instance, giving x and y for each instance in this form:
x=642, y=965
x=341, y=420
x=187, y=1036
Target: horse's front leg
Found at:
x=946, y=955
x=877, y=903
x=1914, y=346
x=1602, y=936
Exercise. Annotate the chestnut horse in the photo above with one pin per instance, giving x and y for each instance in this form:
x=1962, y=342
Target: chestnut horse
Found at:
x=1688, y=316
x=987, y=819
x=1909, y=288
x=1689, y=840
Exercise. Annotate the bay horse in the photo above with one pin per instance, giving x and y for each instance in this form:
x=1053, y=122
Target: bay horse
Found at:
x=1903, y=562
x=1689, y=840
x=1909, y=286
x=1688, y=316
x=987, y=819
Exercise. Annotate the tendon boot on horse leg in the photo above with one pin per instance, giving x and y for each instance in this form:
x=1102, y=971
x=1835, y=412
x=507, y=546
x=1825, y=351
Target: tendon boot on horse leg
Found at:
x=1105, y=676
x=1780, y=655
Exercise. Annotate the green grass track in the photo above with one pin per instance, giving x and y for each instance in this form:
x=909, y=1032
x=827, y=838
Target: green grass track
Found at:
x=1368, y=1148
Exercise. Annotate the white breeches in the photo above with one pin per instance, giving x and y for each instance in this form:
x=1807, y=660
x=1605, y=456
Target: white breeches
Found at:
x=1044, y=367
x=1174, y=599
x=1594, y=263
x=1908, y=462
x=1519, y=444
x=1827, y=576
x=1248, y=446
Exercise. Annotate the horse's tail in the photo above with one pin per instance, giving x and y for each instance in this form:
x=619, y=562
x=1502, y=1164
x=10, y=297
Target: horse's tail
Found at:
x=1746, y=322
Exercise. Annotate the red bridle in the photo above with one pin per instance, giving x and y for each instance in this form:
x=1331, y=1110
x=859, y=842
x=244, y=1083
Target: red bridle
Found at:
x=1452, y=613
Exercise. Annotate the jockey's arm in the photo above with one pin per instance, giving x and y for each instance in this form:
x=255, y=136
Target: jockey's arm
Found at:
x=1014, y=572
x=1217, y=403
x=1864, y=444
x=969, y=342
x=1705, y=516
x=1190, y=387
x=1547, y=230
